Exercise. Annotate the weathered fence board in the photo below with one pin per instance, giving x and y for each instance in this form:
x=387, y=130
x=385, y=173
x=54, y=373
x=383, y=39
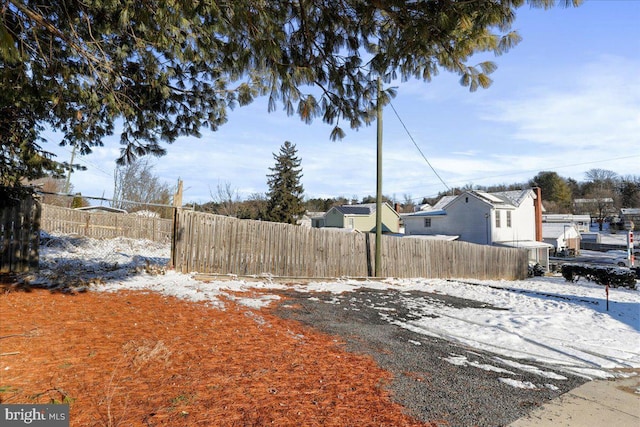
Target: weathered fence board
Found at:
x=104, y=225
x=212, y=244
x=19, y=236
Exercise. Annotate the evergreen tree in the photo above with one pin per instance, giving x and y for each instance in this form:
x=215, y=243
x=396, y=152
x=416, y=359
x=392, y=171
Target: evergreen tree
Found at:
x=629, y=189
x=285, y=202
x=164, y=69
x=554, y=189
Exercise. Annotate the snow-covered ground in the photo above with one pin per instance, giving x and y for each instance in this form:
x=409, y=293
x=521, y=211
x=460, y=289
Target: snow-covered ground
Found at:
x=572, y=326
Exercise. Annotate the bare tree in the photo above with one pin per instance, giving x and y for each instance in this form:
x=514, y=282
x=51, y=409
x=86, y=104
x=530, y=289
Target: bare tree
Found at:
x=255, y=207
x=408, y=205
x=137, y=188
x=51, y=187
x=599, y=204
x=602, y=177
x=226, y=199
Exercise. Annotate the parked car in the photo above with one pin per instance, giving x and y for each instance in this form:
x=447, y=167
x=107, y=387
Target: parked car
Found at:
x=620, y=258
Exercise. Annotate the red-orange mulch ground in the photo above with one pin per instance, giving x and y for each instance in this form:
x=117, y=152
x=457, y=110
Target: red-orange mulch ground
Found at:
x=143, y=359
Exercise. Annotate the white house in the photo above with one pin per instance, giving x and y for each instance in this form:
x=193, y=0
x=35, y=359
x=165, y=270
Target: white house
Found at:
x=509, y=218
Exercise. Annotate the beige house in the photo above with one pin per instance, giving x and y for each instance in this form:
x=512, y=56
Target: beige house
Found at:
x=362, y=218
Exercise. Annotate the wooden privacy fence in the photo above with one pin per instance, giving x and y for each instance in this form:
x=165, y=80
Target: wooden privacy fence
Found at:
x=107, y=225
x=212, y=244
x=19, y=235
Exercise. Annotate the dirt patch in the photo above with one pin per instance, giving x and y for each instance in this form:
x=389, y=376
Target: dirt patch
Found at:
x=143, y=359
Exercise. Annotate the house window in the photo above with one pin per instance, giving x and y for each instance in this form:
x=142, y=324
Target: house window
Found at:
x=498, y=219
x=427, y=222
x=509, y=219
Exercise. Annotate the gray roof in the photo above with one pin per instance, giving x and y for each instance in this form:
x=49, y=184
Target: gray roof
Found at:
x=515, y=197
x=444, y=201
x=510, y=198
x=364, y=209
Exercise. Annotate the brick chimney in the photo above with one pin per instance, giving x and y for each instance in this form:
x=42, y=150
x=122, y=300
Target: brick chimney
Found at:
x=537, y=208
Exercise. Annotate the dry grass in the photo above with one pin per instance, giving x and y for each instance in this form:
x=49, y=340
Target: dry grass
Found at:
x=143, y=359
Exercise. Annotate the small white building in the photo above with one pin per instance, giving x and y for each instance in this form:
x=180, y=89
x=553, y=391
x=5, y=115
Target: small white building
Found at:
x=561, y=236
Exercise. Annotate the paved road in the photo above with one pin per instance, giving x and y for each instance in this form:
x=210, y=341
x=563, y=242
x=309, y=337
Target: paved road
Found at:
x=436, y=380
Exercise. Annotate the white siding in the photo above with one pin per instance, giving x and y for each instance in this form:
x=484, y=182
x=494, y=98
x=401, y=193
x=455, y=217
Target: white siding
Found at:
x=414, y=224
x=471, y=219
x=474, y=220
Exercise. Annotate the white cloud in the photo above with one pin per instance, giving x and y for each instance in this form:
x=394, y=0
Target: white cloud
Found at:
x=596, y=111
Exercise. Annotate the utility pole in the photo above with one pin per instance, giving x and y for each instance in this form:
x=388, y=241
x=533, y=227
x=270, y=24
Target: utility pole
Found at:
x=68, y=182
x=378, y=254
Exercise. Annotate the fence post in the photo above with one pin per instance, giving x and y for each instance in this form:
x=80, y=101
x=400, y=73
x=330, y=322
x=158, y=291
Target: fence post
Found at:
x=174, y=236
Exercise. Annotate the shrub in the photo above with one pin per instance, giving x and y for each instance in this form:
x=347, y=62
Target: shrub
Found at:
x=601, y=274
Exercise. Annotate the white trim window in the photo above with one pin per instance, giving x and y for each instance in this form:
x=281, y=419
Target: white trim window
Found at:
x=508, y=219
x=498, y=219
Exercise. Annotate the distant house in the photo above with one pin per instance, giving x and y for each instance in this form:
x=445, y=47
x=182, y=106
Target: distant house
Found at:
x=311, y=219
x=598, y=207
x=563, y=236
x=630, y=218
x=361, y=218
x=509, y=218
x=581, y=222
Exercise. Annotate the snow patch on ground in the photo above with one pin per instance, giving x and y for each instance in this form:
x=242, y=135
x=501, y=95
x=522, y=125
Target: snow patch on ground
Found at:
x=563, y=324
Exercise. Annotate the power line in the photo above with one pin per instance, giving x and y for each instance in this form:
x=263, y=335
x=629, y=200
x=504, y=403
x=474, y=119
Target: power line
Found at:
x=494, y=176
x=83, y=160
x=104, y=199
x=416, y=145
x=553, y=168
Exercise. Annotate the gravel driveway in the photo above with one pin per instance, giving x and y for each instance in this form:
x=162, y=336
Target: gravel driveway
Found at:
x=434, y=379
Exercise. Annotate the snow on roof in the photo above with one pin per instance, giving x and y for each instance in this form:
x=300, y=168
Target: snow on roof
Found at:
x=630, y=211
x=555, y=230
x=425, y=213
x=431, y=237
x=514, y=197
x=488, y=196
x=440, y=204
x=565, y=218
x=525, y=244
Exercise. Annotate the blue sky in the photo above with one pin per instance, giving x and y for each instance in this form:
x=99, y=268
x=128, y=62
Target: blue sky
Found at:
x=566, y=99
